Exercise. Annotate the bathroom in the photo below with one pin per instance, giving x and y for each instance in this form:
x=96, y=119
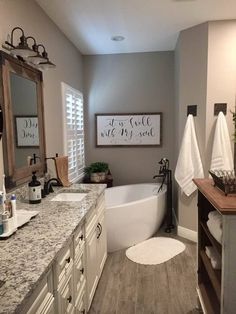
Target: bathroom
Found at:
x=199, y=70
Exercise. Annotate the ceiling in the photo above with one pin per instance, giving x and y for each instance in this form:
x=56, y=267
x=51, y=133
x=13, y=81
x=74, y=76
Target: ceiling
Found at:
x=147, y=25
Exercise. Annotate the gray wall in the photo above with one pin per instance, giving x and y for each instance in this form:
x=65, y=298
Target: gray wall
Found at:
x=130, y=83
x=28, y=15
x=205, y=74
x=191, y=86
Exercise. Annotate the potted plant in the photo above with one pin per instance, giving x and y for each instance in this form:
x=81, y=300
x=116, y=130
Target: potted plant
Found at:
x=97, y=171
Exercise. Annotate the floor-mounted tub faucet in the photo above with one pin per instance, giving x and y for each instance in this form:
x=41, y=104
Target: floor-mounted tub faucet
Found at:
x=165, y=174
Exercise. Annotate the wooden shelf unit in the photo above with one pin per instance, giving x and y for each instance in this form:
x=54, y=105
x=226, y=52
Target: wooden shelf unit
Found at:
x=217, y=288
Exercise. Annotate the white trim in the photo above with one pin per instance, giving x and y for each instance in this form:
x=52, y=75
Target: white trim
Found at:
x=201, y=301
x=187, y=233
x=63, y=91
x=73, y=134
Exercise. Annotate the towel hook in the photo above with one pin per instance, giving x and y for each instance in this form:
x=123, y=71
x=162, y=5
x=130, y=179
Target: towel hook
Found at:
x=192, y=109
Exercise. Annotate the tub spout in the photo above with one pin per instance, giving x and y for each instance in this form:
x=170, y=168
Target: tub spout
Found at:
x=158, y=176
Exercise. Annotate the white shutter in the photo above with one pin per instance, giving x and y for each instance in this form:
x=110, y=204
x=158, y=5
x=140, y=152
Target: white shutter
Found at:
x=74, y=131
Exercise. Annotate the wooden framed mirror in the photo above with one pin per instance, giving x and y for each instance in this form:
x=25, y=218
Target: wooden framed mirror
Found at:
x=21, y=99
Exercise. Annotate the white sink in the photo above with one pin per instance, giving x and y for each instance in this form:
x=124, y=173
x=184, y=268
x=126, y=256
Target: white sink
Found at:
x=69, y=197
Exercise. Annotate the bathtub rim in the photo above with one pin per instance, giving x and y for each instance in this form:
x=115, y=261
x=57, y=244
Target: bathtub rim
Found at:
x=163, y=191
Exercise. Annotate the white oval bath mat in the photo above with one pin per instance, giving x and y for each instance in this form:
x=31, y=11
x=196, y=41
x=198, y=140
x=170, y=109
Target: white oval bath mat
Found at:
x=155, y=250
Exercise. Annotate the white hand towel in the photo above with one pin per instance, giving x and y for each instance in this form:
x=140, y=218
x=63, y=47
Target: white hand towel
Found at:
x=215, y=230
x=214, y=257
x=189, y=163
x=215, y=217
x=222, y=156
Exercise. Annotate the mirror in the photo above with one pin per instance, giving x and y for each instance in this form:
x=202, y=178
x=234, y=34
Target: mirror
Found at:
x=23, y=134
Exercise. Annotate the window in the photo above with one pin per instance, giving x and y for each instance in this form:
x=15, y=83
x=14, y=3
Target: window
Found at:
x=73, y=131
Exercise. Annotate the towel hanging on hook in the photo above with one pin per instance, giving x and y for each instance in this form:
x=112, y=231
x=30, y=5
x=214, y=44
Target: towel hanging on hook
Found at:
x=189, y=164
x=222, y=156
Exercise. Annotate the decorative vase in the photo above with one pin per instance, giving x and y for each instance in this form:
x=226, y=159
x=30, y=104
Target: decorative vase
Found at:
x=98, y=177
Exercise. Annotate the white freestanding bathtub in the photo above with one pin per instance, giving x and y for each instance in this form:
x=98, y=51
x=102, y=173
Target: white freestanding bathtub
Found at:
x=133, y=213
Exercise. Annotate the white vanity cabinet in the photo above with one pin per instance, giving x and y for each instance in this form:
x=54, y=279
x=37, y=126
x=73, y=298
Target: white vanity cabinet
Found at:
x=96, y=247
x=42, y=300
x=69, y=285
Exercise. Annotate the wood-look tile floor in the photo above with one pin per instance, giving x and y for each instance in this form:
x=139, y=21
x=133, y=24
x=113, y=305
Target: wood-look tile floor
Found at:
x=129, y=288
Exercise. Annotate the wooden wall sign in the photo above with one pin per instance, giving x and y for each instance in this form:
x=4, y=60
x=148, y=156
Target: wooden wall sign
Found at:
x=128, y=129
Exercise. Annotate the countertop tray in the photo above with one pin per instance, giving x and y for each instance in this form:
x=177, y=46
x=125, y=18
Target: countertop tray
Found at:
x=22, y=216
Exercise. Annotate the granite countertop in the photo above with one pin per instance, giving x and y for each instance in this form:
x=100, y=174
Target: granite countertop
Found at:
x=27, y=255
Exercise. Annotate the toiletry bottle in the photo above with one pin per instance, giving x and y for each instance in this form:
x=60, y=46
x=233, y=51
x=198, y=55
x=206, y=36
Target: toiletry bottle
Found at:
x=3, y=192
x=1, y=203
x=5, y=223
x=34, y=190
x=13, y=209
x=1, y=225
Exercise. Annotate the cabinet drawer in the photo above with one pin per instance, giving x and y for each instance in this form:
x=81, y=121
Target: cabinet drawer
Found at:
x=100, y=200
x=101, y=207
x=63, y=266
x=80, y=308
x=79, y=279
x=66, y=297
x=43, y=298
x=79, y=241
x=91, y=221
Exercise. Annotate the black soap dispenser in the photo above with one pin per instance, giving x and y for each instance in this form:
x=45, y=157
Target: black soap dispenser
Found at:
x=34, y=190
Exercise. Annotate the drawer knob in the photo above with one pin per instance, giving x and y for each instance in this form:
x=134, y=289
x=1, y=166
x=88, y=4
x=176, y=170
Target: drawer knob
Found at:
x=69, y=299
x=81, y=237
x=68, y=259
x=82, y=270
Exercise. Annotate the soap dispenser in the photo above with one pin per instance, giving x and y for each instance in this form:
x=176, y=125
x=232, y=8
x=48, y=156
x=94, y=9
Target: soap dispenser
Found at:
x=34, y=190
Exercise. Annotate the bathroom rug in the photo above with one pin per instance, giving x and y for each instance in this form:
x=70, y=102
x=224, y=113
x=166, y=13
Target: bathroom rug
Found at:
x=154, y=251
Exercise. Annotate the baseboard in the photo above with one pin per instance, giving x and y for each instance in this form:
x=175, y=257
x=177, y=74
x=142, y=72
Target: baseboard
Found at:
x=187, y=233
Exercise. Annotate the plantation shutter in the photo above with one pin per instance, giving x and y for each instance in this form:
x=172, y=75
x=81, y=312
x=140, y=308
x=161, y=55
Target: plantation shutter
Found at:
x=74, y=137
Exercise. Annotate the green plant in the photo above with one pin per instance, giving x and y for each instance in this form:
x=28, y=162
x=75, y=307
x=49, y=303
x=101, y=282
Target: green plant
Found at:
x=97, y=167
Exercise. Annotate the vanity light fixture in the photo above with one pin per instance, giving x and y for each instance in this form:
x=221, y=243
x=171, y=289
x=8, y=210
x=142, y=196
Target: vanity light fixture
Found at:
x=22, y=49
x=36, y=59
x=46, y=64
x=30, y=55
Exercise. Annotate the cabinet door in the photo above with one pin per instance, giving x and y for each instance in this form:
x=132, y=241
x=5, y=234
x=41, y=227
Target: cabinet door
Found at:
x=50, y=309
x=92, y=264
x=79, y=278
x=42, y=301
x=66, y=296
x=101, y=243
x=80, y=309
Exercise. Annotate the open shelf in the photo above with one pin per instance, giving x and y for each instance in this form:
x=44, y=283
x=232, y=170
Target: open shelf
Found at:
x=210, y=302
x=214, y=275
x=213, y=241
x=216, y=288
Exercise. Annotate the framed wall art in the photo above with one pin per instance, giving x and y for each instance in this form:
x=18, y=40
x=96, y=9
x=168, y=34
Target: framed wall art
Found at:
x=128, y=129
x=27, y=133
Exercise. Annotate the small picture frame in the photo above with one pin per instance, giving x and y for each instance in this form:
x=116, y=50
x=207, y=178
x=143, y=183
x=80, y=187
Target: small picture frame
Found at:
x=128, y=129
x=27, y=132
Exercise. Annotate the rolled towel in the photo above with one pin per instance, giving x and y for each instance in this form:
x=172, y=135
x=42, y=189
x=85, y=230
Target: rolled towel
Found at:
x=215, y=217
x=213, y=256
x=215, y=264
x=215, y=230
